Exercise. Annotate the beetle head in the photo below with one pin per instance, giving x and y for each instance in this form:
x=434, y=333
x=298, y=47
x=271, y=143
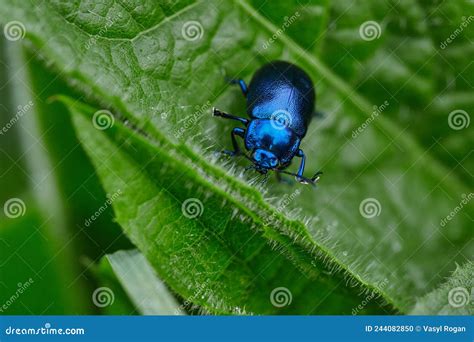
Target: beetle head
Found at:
x=264, y=160
x=270, y=148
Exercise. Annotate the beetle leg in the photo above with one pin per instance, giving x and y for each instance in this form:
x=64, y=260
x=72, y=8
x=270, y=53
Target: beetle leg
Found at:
x=299, y=175
x=300, y=154
x=217, y=112
x=242, y=84
x=236, y=131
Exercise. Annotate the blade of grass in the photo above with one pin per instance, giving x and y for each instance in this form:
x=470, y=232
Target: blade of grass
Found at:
x=145, y=289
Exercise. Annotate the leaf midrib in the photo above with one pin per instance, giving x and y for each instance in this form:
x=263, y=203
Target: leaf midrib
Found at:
x=358, y=287
x=247, y=194
x=145, y=30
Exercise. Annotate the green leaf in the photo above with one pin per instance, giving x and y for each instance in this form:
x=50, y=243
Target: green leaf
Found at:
x=420, y=63
x=222, y=260
x=303, y=20
x=454, y=297
x=155, y=78
x=422, y=88
x=145, y=289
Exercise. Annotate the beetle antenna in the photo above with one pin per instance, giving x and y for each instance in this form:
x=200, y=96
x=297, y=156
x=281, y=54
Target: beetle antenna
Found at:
x=286, y=172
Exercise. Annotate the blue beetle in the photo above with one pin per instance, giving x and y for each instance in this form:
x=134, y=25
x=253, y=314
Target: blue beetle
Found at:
x=280, y=104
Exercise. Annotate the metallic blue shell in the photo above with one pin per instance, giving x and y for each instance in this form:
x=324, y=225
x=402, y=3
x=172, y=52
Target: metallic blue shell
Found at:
x=283, y=89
